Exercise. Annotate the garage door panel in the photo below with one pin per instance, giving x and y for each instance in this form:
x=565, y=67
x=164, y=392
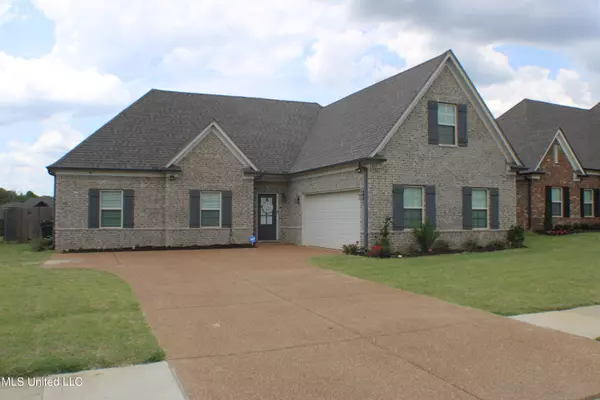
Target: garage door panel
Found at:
x=331, y=220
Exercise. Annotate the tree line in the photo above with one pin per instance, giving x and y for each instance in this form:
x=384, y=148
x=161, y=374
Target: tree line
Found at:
x=8, y=196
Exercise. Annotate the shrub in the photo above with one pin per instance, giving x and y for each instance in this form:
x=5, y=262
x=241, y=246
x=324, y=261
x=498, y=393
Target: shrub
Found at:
x=350, y=249
x=516, y=236
x=426, y=235
x=471, y=245
x=585, y=227
x=39, y=244
x=497, y=245
x=577, y=227
x=376, y=251
x=441, y=246
x=384, y=236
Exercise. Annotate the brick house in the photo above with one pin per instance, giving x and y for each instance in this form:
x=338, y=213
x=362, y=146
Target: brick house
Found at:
x=181, y=169
x=560, y=147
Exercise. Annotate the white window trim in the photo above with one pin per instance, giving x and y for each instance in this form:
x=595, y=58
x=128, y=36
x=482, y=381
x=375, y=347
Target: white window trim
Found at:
x=455, y=125
x=486, y=209
x=555, y=152
x=590, y=203
x=422, y=208
x=110, y=209
x=553, y=202
x=220, y=209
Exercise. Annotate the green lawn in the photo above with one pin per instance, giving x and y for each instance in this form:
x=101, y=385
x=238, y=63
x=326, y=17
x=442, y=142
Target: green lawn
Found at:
x=553, y=273
x=64, y=320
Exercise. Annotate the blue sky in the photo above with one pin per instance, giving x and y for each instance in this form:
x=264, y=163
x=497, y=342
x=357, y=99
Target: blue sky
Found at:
x=67, y=66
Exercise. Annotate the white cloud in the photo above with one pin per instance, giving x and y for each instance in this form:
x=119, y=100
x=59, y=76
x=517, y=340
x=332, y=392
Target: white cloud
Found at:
x=25, y=84
x=535, y=82
x=6, y=11
x=22, y=165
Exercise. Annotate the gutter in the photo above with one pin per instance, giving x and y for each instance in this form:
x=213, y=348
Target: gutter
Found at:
x=52, y=170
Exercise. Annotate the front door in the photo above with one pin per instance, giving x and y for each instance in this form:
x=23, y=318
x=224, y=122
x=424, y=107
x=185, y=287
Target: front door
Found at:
x=267, y=217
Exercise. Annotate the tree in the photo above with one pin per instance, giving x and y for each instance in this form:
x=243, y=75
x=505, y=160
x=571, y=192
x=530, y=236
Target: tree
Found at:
x=8, y=196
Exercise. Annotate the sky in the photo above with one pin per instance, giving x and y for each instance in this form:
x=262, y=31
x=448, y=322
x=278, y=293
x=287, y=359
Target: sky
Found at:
x=68, y=66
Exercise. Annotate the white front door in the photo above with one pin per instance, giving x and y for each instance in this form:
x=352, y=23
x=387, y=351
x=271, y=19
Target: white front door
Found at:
x=331, y=220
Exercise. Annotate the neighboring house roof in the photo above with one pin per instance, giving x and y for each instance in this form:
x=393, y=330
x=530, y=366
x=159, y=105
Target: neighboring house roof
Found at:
x=43, y=201
x=275, y=136
x=532, y=125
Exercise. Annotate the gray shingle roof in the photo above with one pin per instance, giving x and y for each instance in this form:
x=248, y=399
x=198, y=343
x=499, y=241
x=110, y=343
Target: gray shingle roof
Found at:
x=150, y=132
x=531, y=125
x=353, y=127
x=276, y=135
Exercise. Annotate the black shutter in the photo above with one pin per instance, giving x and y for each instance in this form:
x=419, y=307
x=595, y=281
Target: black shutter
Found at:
x=582, y=203
x=128, y=208
x=463, y=138
x=398, y=207
x=549, y=199
x=93, y=208
x=430, y=205
x=495, y=208
x=597, y=202
x=566, y=202
x=194, y=209
x=467, y=208
x=432, y=107
x=226, y=205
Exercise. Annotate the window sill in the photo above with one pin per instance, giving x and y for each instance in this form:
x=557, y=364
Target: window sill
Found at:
x=448, y=145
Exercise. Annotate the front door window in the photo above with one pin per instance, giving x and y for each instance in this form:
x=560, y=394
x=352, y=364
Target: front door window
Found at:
x=267, y=217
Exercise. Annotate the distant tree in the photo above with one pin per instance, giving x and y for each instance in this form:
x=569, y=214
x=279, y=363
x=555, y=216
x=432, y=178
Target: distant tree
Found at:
x=8, y=196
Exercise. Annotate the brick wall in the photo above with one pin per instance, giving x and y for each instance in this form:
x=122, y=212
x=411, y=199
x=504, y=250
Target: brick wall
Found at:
x=412, y=161
x=560, y=175
x=161, y=210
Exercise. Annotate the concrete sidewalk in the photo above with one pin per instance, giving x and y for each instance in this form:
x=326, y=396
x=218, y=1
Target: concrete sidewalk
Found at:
x=149, y=382
x=582, y=321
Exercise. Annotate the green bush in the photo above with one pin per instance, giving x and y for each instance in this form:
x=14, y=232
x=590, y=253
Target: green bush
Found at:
x=498, y=245
x=441, y=246
x=426, y=235
x=384, y=237
x=516, y=236
x=350, y=249
x=39, y=244
x=585, y=227
x=471, y=245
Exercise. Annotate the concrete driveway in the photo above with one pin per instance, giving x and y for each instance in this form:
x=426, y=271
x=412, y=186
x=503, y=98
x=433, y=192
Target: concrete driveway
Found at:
x=263, y=324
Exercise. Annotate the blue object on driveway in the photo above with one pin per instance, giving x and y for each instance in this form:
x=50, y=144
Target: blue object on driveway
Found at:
x=252, y=240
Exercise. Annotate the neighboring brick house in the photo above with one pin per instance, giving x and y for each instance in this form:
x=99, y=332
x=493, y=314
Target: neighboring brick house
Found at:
x=180, y=169
x=560, y=147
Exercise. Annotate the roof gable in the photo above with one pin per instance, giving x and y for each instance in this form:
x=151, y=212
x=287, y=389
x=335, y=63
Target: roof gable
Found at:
x=351, y=128
x=531, y=126
x=148, y=134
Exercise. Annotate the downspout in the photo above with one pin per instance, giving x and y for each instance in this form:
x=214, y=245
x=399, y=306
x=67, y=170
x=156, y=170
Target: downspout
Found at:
x=529, y=198
x=366, y=208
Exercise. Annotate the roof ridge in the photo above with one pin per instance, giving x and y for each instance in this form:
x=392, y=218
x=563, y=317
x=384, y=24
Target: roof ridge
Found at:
x=553, y=104
x=440, y=56
x=233, y=96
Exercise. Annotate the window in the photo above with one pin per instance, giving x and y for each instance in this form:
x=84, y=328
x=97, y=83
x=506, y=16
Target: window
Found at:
x=111, y=209
x=555, y=151
x=413, y=207
x=210, y=209
x=479, y=208
x=557, y=202
x=447, y=124
x=588, y=202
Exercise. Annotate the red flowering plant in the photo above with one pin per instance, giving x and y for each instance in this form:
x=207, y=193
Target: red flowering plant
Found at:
x=376, y=251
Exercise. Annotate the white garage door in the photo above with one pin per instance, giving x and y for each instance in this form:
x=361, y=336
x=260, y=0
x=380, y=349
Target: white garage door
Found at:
x=331, y=220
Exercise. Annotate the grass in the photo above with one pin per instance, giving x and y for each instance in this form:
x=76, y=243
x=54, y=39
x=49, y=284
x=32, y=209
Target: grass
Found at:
x=553, y=273
x=66, y=320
